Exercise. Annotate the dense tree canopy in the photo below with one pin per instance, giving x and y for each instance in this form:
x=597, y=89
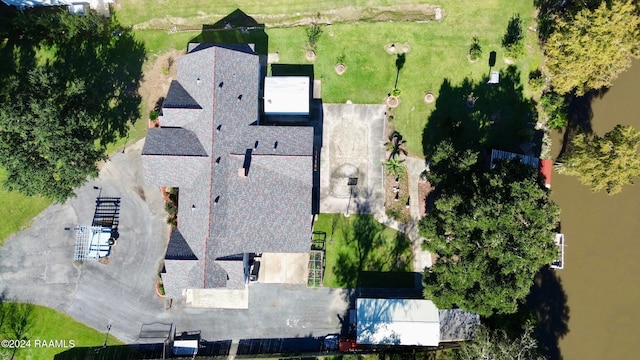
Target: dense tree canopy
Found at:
x=607, y=162
x=491, y=231
x=590, y=49
x=68, y=87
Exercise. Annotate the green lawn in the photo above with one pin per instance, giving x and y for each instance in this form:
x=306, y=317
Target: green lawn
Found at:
x=49, y=324
x=361, y=252
x=17, y=210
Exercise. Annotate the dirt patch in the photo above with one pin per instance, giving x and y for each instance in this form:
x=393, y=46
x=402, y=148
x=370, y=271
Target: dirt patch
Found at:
x=392, y=102
x=310, y=55
x=424, y=189
x=429, y=98
x=397, y=197
x=408, y=13
x=158, y=73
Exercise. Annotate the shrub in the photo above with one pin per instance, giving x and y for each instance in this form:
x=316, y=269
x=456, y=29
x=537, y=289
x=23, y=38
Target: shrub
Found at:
x=536, y=80
x=475, y=50
x=555, y=109
x=153, y=115
x=313, y=34
x=396, y=92
x=512, y=41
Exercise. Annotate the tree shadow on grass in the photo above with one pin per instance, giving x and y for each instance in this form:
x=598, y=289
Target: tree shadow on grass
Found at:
x=111, y=69
x=369, y=258
x=478, y=116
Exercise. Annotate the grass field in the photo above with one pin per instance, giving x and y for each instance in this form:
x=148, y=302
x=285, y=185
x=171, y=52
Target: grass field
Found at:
x=17, y=210
x=48, y=324
x=361, y=252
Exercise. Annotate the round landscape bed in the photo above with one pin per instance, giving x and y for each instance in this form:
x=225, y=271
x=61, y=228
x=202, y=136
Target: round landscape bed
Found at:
x=429, y=98
x=159, y=285
x=392, y=102
x=310, y=55
x=340, y=69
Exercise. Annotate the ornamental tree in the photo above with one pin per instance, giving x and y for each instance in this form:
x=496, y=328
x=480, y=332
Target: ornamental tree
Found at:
x=589, y=50
x=604, y=163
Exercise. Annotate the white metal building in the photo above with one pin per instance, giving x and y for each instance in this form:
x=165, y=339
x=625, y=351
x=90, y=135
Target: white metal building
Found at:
x=397, y=322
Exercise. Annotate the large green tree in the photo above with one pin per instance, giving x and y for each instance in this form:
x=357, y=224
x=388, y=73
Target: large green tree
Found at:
x=590, y=49
x=68, y=87
x=604, y=163
x=46, y=146
x=491, y=231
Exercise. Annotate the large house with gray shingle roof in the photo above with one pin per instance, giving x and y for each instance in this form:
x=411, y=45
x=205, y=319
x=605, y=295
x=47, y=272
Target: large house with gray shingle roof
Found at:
x=244, y=188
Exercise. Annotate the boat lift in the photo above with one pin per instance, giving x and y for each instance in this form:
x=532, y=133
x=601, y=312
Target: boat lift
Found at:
x=558, y=264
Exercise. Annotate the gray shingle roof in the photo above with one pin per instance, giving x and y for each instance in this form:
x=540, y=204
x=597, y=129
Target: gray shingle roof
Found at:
x=178, y=248
x=221, y=213
x=235, y=272
x=275, y=140
x=181, y=274
x=172, y=141
x=178, y=97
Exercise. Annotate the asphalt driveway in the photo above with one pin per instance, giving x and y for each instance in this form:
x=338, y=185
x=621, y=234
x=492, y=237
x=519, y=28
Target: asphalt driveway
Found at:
x=37, y=265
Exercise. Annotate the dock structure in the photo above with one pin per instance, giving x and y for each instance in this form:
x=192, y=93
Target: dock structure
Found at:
x=558, y=264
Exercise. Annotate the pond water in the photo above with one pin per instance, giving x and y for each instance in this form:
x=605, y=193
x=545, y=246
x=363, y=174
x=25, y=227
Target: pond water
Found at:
x=601, y=277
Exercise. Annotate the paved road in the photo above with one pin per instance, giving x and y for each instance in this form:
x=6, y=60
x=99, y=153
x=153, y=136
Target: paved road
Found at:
x=37, y=265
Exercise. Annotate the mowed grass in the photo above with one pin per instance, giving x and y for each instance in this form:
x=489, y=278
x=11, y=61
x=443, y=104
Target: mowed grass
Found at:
x=361, y=252
x=48, y=324
x=17, y=210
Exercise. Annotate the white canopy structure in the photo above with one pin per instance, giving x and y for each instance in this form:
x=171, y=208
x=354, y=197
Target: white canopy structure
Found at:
x=92, y=243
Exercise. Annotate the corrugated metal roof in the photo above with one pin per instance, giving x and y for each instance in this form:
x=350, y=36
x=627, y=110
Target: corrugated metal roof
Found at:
x=532, y=161
x=397, y=322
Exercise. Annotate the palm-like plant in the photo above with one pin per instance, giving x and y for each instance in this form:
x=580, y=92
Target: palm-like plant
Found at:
x=394, y=166
x=396, y=145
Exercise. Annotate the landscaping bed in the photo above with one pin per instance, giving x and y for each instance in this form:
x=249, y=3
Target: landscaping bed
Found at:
x=396, y=197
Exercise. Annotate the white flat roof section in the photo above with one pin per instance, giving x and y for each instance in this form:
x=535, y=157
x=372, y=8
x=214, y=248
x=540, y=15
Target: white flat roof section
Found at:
x=397, y=322
x=286, y=95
